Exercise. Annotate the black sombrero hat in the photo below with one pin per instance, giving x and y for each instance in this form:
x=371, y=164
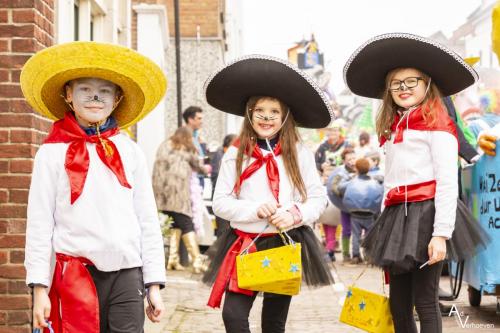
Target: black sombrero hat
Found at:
x=366, y=69
x=230, y=87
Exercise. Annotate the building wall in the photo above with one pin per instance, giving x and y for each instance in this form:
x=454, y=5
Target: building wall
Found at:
x=202, y=52
x=111, y=21
x=26, y=26
x=198, y=60
x=193, y=13
x=476, y=33
x=151, y=39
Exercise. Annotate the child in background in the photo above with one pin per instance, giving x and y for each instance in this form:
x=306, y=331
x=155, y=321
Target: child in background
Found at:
x=363, y=200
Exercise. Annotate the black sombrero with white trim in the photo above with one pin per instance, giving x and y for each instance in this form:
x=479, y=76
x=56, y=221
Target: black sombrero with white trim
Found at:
x=230, y=87
x=366, y=69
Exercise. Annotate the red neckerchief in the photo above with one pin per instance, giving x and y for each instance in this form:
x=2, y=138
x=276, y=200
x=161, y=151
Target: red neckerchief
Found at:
x=73, y=296
x=273, y=175
x=417, y=122
x=77, y=160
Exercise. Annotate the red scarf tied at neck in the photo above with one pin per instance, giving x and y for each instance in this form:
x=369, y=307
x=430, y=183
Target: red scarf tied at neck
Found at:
x=77, y=160
x=273, y=176
x=415, y=120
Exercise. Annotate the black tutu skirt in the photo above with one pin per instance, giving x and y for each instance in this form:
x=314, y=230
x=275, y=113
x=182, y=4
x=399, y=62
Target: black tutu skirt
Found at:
x=314, y=268
x=399, y=243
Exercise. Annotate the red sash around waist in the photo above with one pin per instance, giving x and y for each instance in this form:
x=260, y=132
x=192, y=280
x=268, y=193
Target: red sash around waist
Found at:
x=414, y=193
x=73, y=297
x=227, y=271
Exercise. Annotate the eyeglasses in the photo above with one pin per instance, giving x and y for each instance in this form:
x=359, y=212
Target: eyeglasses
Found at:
x=409, y=82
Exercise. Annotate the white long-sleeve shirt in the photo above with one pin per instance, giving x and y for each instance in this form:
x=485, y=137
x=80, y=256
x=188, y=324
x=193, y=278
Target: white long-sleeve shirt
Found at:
x=425, y=156
x=255, y=191
x=112, y=226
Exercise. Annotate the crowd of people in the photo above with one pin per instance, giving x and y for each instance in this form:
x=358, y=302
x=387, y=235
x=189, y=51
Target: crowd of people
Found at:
x=351, y=173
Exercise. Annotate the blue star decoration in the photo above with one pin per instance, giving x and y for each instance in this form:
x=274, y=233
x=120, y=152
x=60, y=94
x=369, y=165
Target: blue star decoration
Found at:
x=266, y=262
x=294, y=268
x=362, y=305
x=349, y=293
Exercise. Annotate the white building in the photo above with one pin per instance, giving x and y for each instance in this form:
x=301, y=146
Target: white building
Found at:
x=234, y=49
x=110, y=21
x=98, y=20
x=476, y=35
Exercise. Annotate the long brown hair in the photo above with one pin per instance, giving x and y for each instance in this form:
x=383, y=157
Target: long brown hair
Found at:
x=430, y=105
x=182, y=139
x=288, y=137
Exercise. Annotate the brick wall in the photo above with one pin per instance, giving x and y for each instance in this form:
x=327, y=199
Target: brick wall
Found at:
x=26, y=26
x=205, y=13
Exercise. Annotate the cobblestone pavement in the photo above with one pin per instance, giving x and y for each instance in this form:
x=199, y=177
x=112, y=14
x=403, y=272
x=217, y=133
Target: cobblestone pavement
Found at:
x=314, y=310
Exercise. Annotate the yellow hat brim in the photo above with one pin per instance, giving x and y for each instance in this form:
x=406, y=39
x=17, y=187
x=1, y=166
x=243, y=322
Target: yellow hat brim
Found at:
x=44, y=75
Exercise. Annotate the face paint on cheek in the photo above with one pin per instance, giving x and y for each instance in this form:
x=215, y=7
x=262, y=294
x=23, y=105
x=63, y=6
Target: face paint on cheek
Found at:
x=85, y=97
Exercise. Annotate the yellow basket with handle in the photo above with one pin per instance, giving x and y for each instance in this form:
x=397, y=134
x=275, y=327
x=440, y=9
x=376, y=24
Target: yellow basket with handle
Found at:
x=367, y=310
x=277, y=270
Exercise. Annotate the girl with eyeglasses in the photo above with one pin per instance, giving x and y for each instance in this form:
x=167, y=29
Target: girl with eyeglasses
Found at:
x=423, y=222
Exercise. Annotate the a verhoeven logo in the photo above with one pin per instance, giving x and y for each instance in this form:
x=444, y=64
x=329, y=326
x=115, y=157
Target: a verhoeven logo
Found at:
x=463, y=320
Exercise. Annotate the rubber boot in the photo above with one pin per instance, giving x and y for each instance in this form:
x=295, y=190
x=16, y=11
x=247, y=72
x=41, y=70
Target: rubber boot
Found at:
x=189, y=240
x=346, y=248
x=173, y=253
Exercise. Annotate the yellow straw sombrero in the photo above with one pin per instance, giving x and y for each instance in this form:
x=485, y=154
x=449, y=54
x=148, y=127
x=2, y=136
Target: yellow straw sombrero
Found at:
x=44, y=75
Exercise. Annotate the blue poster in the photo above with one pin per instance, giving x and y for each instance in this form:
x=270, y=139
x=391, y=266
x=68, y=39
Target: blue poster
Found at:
x=483, y=271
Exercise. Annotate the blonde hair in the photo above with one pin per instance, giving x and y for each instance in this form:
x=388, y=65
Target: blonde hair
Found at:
x=182, y=139
x=288, y=137
x=430, y=105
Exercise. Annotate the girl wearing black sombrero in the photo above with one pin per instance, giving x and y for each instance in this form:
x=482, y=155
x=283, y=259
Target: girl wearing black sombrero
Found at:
x=423, y=221
x=267, y=180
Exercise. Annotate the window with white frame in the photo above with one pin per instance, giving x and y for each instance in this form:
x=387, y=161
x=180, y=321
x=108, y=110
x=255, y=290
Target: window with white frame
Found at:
x=99, y=20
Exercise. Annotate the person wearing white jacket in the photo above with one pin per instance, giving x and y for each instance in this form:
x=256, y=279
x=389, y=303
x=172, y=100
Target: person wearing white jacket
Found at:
x=267, y=182
x=422, y=221
x=91, y=205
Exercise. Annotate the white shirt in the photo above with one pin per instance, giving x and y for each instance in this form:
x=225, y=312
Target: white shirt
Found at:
x=255, y=191
x=425, y=156
x=112, y=226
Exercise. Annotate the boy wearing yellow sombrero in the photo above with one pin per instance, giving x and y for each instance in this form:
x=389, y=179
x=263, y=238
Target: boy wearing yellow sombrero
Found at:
x=91, y=201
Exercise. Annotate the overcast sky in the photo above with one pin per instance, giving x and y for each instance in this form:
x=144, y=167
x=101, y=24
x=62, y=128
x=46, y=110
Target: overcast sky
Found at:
x=272, y=26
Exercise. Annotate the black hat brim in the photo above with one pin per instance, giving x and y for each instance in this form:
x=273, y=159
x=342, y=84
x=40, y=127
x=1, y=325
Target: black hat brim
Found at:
x=365, y=71
x=229, y=89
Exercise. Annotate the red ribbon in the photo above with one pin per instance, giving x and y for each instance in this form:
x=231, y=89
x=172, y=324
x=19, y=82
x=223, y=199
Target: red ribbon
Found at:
x=77, y=160
x=414, y=193
x=273, y=176
x=416, y=121
x=73, y=297
x=227, y=274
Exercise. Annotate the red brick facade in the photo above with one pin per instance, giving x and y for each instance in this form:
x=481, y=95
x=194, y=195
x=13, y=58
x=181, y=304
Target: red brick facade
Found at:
x=26, y=26
x=204, y=13
x=193, y=13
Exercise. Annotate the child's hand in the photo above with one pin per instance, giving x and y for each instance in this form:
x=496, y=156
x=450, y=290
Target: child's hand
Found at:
x=156, y=308
x=282, y=220
x=436, y=249
x=267, y=209
x=41, y=307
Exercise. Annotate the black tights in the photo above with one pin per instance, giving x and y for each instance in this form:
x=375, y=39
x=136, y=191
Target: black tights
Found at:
x=237, y=309
x=419, y=288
